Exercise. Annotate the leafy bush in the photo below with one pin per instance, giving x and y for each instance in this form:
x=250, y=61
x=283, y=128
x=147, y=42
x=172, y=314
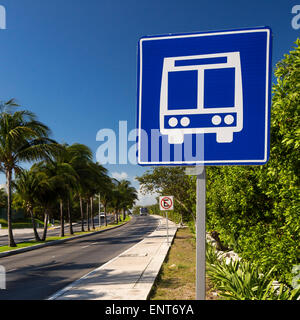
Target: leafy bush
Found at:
x=240, y=280
x=256, y=209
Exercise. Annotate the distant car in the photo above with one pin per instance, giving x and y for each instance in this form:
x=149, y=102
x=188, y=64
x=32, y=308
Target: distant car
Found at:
x=143, y=211
x=102, y=214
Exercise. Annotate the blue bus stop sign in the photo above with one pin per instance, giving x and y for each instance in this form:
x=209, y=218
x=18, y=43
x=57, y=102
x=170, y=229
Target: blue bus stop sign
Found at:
x=204, y=98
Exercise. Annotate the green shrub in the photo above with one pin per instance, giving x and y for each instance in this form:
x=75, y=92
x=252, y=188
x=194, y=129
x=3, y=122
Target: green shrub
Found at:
x=256, y=208
x=240, y=280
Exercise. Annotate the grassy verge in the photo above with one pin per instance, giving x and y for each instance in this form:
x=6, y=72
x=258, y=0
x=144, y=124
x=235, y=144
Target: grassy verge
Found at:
x=49, y=239
x=176, y=280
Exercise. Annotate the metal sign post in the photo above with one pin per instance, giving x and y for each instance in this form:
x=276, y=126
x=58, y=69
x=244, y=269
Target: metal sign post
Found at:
x=166, y=203
x=200, y=235
x=167, y=228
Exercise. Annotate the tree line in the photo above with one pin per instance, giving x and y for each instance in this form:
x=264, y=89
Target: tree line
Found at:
x=62, y=177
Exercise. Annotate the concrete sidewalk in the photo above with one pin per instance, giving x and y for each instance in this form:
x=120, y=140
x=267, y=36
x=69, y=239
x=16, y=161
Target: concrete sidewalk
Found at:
x=4, y=232
x=130, y=275
x=21, y=231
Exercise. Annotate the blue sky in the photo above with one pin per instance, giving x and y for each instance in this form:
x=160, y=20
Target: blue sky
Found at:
x=73, y=62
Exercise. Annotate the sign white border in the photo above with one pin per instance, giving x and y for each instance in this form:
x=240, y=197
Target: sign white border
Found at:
x=267, y=30
x=172, y=201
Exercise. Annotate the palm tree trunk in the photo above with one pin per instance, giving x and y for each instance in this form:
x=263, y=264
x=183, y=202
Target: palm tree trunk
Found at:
x=81, y=213
x=70, y=218
x=87, y=216
x=46, y=218
x=93, y=223
x=124, y=215
x=117, y=217
x=62, y=226
x=36, y=235
x=11, y=241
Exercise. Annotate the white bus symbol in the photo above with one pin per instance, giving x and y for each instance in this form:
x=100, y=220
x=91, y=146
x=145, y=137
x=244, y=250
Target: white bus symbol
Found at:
x=201, y=94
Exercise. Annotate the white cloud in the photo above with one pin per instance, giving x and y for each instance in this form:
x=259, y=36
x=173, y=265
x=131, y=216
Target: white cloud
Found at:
x=146, y=199
x=119, y=175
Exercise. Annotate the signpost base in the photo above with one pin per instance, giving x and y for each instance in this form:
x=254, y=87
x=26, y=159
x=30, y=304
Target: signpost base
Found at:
x=167, y=228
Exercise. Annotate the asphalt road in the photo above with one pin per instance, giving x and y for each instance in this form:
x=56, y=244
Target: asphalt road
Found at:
x=23, y=237
x=38, y=274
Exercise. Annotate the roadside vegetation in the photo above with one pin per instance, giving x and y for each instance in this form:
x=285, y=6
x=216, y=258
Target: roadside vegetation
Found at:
x=252, y=210
x=241, y=280
x=63, y=182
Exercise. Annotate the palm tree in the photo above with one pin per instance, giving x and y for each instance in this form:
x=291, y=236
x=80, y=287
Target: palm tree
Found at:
x=128, y=196
x=27, y=186
x=123, y=197
x=62, y=177
x=106, y=188
x=22, y=138
x=97, y=176
x=3, y=198
x=73, y=173
x=116, y=198
x=47, y=196
x=79, y=156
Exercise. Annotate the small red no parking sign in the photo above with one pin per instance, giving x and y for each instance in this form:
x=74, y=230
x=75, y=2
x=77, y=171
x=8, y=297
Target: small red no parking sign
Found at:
x=166, y=203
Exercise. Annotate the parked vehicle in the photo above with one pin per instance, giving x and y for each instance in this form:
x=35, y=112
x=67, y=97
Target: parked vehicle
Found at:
x=143, y=211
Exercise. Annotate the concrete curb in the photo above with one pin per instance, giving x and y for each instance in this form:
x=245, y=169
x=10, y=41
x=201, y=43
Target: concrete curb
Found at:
x=169, y=248
x=55, y=242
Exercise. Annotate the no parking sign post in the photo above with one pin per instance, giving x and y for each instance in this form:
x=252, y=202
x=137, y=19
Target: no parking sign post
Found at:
x=166, y=203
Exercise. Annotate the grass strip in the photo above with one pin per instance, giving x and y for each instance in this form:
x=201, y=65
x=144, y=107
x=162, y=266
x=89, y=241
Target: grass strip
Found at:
x=177, y=277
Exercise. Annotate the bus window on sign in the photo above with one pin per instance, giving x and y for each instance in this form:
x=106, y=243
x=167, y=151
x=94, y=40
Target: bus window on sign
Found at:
x=219, y=88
